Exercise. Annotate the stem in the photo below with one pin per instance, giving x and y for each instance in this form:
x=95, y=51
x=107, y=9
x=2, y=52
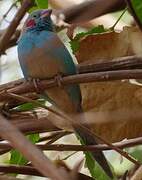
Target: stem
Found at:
x=112, y=28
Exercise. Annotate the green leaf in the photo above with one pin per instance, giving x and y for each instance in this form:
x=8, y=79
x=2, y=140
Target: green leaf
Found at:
x=95, y=30
x=39, y=4
x=136, y=152
x=137, y=7
x=75, y=42
x=25, y=107
x=93, y=167
x=74, y=46
x=16, y=157
x=33, y=9
x=29, y=106
x=33, y=138
x=95, y=170
x=42, y=4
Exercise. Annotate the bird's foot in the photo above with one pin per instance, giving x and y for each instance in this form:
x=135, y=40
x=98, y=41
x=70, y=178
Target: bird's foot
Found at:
x=59, y=80
x=70, y=31
x=36, y=82
x=59, y=20
x=5, y=110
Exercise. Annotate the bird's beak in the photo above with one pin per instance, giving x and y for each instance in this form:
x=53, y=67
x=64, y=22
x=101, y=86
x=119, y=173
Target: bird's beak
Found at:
x=46, y=13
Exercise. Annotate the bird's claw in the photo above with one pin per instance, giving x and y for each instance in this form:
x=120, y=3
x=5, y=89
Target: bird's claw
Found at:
x=35, y=82
x=70, y=31
x=58, y=79
x=5, y=111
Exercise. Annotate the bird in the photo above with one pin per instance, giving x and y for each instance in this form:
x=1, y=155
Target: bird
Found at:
x=42, y=55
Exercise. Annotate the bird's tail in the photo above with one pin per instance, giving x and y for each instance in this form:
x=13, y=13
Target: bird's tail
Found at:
x=88, y=139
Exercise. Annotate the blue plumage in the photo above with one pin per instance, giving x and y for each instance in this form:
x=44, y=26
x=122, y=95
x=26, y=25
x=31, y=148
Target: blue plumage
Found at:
x=42, y=55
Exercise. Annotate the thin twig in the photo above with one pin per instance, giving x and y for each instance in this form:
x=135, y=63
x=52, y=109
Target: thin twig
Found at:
x=121, y=63
x=69, y=147
x=14, y=23
x=29, y=170
x=123, y=153
x=57, y=137
x=67, y=157
x=9, y=9
x=53, y=135
x=100, y=147
x=124, y=11
x=26, y=170
x=34, y=125
x=33, y=154
x=26, y=99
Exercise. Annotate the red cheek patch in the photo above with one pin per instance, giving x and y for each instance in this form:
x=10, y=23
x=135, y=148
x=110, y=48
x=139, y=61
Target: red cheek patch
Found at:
x=31, y=23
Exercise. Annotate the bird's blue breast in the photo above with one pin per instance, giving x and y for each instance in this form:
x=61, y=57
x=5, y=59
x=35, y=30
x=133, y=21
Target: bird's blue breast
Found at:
x=57, y=50
x=25, y=46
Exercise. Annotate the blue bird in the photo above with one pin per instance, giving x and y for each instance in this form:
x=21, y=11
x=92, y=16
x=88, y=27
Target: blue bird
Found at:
x=42, y=55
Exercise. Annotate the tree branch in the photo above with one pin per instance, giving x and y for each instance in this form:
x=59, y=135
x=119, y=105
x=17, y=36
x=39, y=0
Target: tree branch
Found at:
x=92, y=148
x=28, y=170
x=73, y=79
x=4, y=42
x=33, y=154
x=88, y=10
x=118, y=69
x=121, y=63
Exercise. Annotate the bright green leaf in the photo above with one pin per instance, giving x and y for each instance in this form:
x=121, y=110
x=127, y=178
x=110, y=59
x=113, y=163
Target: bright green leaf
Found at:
x=17, y=158
x=95, y=170
x=39, y=4
x=93, y=167
x=33, y=138
x=136, y=152
x=137, y=7
x=29, y=106
x=74, y=45
x=42, y=4
x=33, y=9
x=95, y=30
x=25, y=107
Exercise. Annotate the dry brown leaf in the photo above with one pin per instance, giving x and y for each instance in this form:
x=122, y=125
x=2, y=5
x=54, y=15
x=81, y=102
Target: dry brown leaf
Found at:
x=110, y=45
x=112, y=108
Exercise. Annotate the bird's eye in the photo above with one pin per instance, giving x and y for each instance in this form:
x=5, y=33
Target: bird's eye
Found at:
x=34, y=16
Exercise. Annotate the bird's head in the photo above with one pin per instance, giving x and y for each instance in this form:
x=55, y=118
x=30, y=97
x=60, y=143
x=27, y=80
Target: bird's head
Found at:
x=39, y=20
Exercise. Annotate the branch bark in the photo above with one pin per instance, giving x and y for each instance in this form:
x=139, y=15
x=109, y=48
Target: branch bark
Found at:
x=5, y=38
x=33, y=154
x=73, y=79
x=93, y=148
x=88, y=10
x=28, y=170
x=122, y=63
